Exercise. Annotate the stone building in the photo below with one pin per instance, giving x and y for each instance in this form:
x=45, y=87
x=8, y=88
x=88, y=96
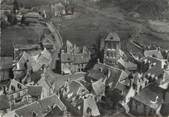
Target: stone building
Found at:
x=17, y=94
x=111, y=48
x=148, y=102
x=73, y=59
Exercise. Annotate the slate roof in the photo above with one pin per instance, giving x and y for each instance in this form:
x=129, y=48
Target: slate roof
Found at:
x=34, y=91
x=4, y=102
x=149, y=94
x=112, y=37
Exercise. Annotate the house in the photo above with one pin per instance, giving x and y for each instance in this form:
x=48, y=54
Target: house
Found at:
x=148, y=102
x=5, y=68
x=30, y=64
x=114, y=76
x=42, y=108
x=111, y=48
x=129, y=66
x=30, y=110
x=73, y=59
x=52, y=82
x=58, y=9
x=78, y=99
x=17, y=94
x=94, y=75
x=153, y=53
x=73, y=62
x=156, y=66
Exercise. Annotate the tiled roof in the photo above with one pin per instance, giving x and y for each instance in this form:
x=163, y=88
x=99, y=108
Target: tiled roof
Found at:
x=41, y=107
x=112, y=37
x=149, y=94
x=51, y=101
x=115, y=75
x=99, y=87
x=95, y=74
x=127, y=65
x=152, y=53
x=34, y=91
x=15, y=84
x=57, y=80
x=157, y=69
x=28, y=110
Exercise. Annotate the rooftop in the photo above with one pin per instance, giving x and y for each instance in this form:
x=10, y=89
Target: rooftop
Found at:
x=112, y=37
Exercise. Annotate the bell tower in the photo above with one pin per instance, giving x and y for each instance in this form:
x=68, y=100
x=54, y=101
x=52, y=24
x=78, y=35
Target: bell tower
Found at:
x=111, y=48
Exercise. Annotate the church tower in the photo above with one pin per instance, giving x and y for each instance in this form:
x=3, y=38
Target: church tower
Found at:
x=111, y=48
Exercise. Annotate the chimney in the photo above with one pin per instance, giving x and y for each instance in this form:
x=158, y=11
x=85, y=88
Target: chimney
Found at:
x=98, y=60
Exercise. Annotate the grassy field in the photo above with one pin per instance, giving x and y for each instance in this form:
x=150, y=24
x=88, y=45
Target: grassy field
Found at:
x=85, y=27
x=19, y=35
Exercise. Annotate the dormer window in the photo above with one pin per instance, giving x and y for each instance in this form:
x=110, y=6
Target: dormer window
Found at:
x=34, y=114
x=19, y=86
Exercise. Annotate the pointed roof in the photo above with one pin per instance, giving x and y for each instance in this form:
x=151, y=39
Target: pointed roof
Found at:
x=52, y=101
x=149, y=94
x=112, y=36
x=41, y=107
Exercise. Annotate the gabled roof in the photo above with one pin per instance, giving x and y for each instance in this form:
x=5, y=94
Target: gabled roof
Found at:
x=99, y=87
x=95, y=74
x=149, y=94
x=28, y=110
x=157, y=69
x=41, y=107
x=56, y=81
x=34, y=91
x=4, y=102
x=51, y=101
x=127, y=65
x=15, y=84
x=152, y=53
x=112, y=37
x=114, y=75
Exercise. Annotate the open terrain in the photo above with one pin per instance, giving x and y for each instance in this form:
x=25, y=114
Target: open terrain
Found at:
x=91, y=22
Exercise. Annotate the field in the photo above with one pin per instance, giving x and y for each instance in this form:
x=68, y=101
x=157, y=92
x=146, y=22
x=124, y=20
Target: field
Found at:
x=88, y=24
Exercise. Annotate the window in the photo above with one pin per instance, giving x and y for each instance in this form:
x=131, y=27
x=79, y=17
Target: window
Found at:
x=12, y=88
x=19, y=86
